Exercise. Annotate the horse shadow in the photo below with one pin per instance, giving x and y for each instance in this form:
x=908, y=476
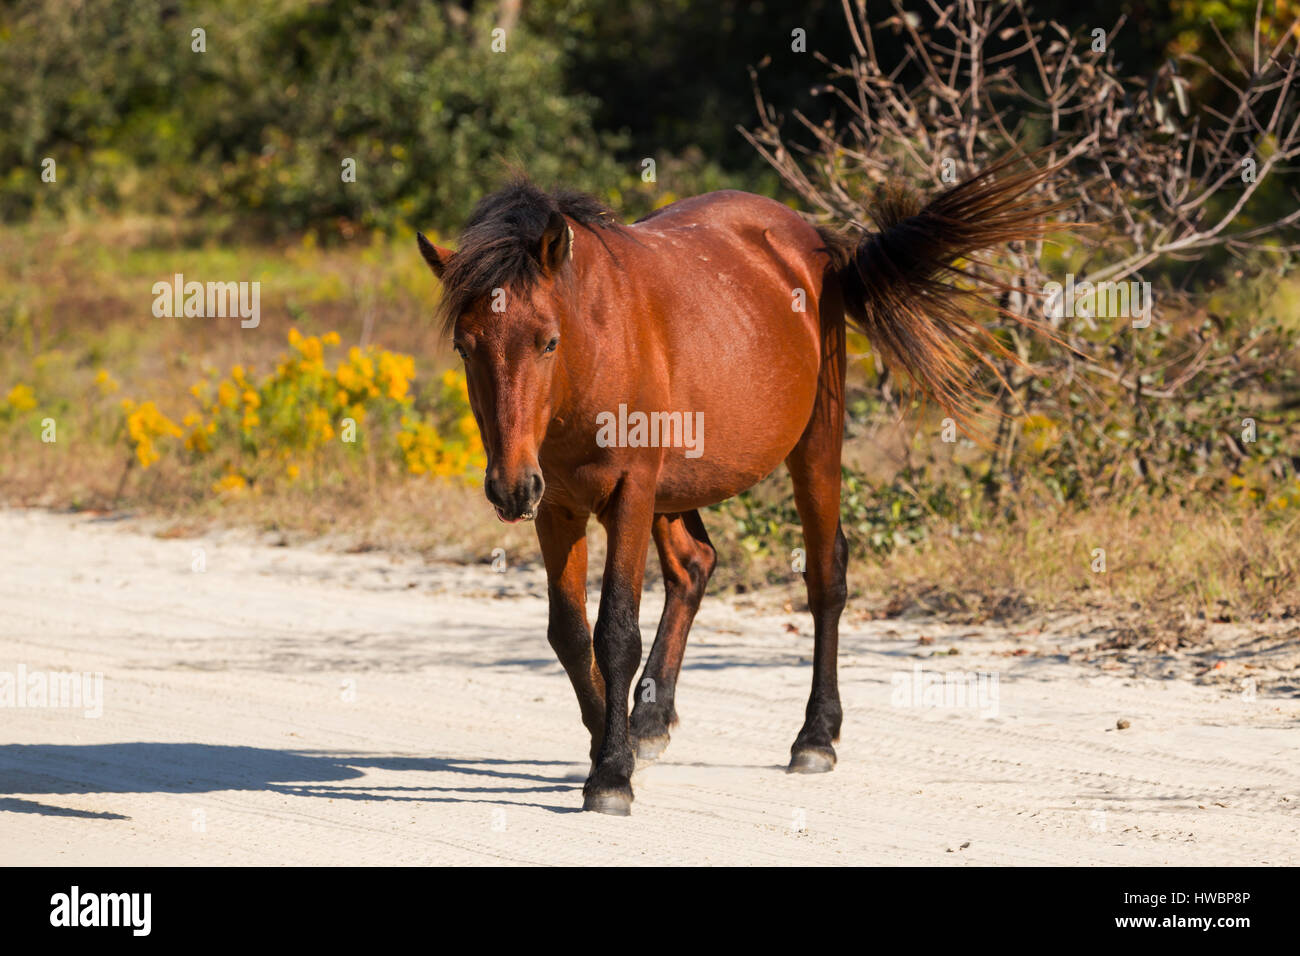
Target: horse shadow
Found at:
x=194, y=768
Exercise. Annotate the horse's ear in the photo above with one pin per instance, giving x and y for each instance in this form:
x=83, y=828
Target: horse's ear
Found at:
x=436, y=256
x=555, y=244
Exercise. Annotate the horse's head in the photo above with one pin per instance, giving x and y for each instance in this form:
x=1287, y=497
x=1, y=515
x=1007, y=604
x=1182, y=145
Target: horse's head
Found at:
x=505, y=318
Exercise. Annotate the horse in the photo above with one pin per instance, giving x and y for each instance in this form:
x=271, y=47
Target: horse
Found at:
x=591, y=348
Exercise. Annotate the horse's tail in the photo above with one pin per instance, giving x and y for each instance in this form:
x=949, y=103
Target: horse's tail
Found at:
x=896, y=282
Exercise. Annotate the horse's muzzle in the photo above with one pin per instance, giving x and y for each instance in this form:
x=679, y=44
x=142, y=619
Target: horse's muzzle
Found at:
x=518, y=500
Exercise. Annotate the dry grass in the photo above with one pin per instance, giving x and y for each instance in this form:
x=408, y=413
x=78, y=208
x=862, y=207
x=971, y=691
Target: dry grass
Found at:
x=1212, y=563
x=1170, y=572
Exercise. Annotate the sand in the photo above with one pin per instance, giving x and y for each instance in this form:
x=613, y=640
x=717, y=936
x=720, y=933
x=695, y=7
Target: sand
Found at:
x=289, y=705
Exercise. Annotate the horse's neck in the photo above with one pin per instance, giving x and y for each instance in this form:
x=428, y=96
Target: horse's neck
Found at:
x=601, y=287
x=601, y=329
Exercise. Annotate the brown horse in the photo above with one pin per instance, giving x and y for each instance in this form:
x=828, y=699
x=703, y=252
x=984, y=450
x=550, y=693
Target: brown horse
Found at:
x=640, y=373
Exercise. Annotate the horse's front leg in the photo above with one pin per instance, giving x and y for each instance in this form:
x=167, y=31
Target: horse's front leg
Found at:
x=627, y=520
x=563, y=539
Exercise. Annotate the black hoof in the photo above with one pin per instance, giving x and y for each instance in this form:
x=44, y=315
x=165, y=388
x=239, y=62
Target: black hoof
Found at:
x=614, y=803
x=650, y=748
x=811, y=761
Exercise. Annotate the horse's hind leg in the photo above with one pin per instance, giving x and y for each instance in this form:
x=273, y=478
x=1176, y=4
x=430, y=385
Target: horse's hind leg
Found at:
x=815, y=469
x=687, y=558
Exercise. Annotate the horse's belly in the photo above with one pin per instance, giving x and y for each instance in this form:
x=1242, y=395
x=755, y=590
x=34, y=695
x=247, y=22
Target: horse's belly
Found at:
x=741, y=431
x=687, y=486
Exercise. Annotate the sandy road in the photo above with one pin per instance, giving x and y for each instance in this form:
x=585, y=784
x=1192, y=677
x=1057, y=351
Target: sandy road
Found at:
x=292, y=706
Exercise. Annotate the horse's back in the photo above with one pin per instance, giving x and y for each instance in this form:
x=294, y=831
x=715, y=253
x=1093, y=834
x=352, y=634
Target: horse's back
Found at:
x=742, y=214
x=727, y=239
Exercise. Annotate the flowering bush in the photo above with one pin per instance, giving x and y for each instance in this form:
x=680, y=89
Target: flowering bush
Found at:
x=458, y=448
x=291, y=423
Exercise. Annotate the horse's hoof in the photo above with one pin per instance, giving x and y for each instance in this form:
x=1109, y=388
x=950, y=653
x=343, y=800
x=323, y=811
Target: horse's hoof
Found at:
x=650, y=748
x=610, y=801
x=811, y=761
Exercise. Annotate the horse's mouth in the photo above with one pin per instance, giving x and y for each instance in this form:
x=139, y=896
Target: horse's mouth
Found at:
x=526, y=516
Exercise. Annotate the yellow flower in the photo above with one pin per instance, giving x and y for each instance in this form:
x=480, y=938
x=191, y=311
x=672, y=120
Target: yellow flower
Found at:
x=231, y=484
x=21, y=398
x=144, y=423
x=318, y=423
x=347, y=377
x=420, y=446
x=395, y=374
x=105, y=382
x=309, y=348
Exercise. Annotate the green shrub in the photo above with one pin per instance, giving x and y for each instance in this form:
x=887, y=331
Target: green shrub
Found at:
x=261, y=123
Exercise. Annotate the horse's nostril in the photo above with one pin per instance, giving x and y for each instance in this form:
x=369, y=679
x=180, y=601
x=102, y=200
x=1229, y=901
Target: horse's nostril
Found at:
x=492, y=488
x=536, y=485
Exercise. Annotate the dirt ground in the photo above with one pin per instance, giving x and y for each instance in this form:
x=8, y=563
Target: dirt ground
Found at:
x=290, y=705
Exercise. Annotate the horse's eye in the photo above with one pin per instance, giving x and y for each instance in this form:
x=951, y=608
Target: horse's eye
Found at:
x=460, y=350
x=550, y=346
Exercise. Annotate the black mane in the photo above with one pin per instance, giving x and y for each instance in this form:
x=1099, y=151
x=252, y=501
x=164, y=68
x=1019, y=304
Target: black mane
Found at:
x=499, y=245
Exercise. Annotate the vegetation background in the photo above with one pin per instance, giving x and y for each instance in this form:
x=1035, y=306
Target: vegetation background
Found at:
x=225, y=165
